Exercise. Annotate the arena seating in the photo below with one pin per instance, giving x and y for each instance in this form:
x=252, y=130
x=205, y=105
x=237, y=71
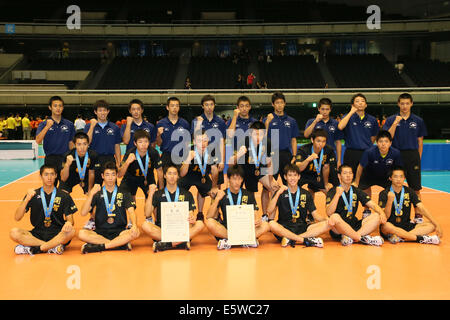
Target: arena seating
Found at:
x=291, y=72
x=140, y=73
x=427, y=73
x=64, y=64
x=363, y=71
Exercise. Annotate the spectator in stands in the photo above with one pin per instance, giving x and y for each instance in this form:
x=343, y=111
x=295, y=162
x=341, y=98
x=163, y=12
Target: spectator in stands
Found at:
x=34, y=124
x=79, y=124
x=18, y=120
x=250, y=80
x=65, y=50
x=383, y=120
x=187, y=83
x=26, y=125
x=239, y=82
x=235, y=59
x=119, y=123
x=124, y=122
x=260, y=56
x=265, y=86
x=10, y=127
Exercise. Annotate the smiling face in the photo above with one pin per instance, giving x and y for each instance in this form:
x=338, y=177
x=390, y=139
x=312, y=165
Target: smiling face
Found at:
x=102, y=114
x=292, y=178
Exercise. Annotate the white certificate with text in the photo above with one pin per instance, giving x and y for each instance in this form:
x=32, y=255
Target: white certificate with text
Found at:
x=174, y=221
x=241, y=224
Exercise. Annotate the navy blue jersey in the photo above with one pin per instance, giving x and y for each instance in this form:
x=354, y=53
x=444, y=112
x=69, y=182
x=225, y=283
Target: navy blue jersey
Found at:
x=147, y=126
x=358, y=132
x=331, y=127
x=288, y=129
x=407, y=132
x=169, y=128
x=378, y=166
x=57, y=138
x=105, y=139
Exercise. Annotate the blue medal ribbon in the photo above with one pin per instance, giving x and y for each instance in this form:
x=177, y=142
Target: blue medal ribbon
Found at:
x=48, y=210
x=398, y=205
x=252, y=148
x=318, y=166
x=230, y=198
x=291, y=203
x=348, y=203
x=141, y=166
x=81, y=170
x=177, y=194
x=202, y=166
x=109, y=204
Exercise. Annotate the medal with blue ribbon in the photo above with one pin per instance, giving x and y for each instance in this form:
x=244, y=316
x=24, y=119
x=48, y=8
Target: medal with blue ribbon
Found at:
x=177, y=194
x=48, y=209
x=348, y=204
x=257, y=159
x=398, y=205
x=81, y=170
x=141, y=166
x=230, y=197
x=110, y=204
x=318, y=165
x=295, y=212
x=202, y=166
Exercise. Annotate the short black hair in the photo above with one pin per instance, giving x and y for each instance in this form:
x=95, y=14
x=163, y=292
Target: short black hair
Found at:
x=47, y=166
x=235, y=170
x=55, y=98
x=397, y=168
x=278, y=95
x=173, y=99
x=405, y=96
x=208, y=97
x=383, y=134
x=319, y=133
x=344, y=166
x=109, y=165
x=171, y=165
x=258, y=125
x=139, y=134
x=325, y=101
x=101, y=104
x=80, y=135
x=358, y=95
x=291, y=167
x=243, y=98
x=135, y=101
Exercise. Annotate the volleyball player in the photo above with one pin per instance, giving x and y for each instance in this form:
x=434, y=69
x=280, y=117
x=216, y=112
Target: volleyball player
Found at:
x=171, y=193
x=51, y=216
x=110, y=205
x=56, y=134
x=294, y=204
x=136, y=122
x=408, y=130
x=233, y=195
x=397, y=202
x=342, y=205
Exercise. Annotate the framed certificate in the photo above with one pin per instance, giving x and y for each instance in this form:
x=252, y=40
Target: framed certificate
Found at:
x=174, y=221
x=241, y=224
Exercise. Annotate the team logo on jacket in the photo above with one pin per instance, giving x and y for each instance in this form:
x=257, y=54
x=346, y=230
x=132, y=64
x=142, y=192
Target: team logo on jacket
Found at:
x=367, y=125
x=287, y=124
x=413, y=125
x=110, y=132
x=332, y=128
x=389, y=162
x=64, y=128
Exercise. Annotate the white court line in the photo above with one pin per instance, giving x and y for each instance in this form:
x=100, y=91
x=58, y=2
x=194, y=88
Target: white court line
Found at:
x=19, y=179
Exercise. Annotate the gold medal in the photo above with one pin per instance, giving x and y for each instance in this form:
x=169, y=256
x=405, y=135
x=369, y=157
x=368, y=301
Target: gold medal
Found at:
x=110, y=220
x=256, y=172
x=82, y=183
x=145, y=182
x=318, y=178
x=398, y=220
x=294, y=220
x=47, y=222
x=203, y=180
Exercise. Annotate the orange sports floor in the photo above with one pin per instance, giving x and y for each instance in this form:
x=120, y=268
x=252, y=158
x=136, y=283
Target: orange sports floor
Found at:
x=406, y=270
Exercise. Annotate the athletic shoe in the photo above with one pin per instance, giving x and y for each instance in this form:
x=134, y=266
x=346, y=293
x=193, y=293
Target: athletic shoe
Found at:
x=265, y=218
x=430, y=240
x=161, y=246
x=251, y=245
x=20, y=249
x=393, y=238
x=287, y=242
x=124, y=247
x=366, y=213
x=346, y=240
x=222, y=244
x=90, y=225
x=418, y=219
x=150, y=220
x=184, y=245
x=129, y=225
x=373, y=241
x=59, y=249
x=313, y=242
x=90, y=248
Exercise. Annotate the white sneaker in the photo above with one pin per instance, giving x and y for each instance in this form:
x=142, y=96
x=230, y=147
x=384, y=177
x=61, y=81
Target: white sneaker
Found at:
x=346, y=240
x=265, y=218
x=20, y=249
x=129, y=225
x=150, y=219
x=431, y=240
x=394, y=239
x=373, y=241
x=313, y=242
x=222, y=244
x=366, y=213
x=418, y=219
x=251, y=245
x=90, y=225
x=59, y=249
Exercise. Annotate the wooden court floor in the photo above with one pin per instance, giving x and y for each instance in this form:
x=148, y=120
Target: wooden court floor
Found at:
x=402, y=271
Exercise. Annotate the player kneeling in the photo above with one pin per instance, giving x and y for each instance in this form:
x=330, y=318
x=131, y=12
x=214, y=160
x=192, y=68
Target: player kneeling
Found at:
x=111, y=204
x=234, y=195
x=171, y=193
x=294, y=204
x=342, y=205
x=51, y=216
x=396, y=201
